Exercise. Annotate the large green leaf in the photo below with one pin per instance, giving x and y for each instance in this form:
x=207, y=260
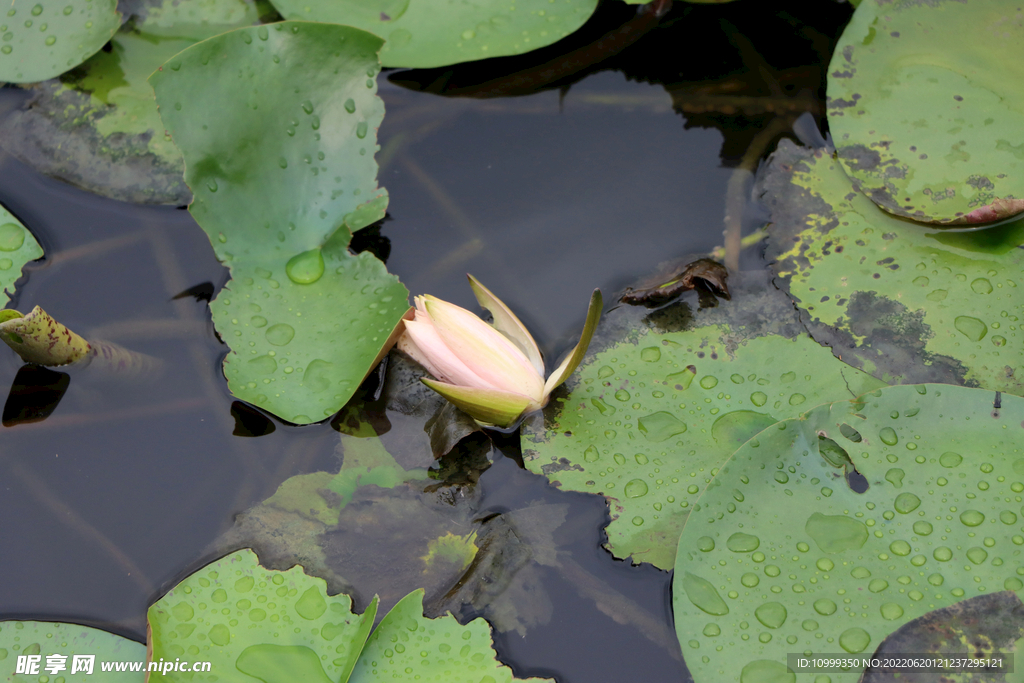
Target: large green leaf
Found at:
x=904, y=302
x=277, y=626
x=781, y=556
x=925, y=104
x=282, y=626
x=44, y=39
x=651, y=417
x=426, y=33
x=45, y=638
x=277, y=126
x=17, y=247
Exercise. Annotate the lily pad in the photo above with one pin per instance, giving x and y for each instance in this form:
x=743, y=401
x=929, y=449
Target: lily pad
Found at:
x=97, y=127
x=277, y=626
x=925, y=105
x=651, y=417
x=435, y=650
x=905, y=303
x=49, y=37
x=282, y=626
x=280, y=183
x=421, y=33
x=17, y=247
x=44, y=639
x=782, y=555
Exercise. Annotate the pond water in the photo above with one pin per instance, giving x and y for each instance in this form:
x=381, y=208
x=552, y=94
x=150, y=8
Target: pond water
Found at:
x=126, y=486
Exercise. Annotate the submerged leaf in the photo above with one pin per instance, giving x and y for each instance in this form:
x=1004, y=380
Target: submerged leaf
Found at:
x=653, y=415
x=421, y=33
x=925, y=104
x=940, y=521
x=45, y=39
x=279, y=184
x=904, y=302
x=17, y=247
x=981, y=627
x=98, y=128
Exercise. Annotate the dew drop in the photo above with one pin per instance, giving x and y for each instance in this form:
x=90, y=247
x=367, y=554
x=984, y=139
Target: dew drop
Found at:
x=280, y=334
x=836, y=533
x=972, y=328
x=854, y=639
x=981, y=286
x=705, y=544
x=824, y=607
x=712, y=630
x=825, y=564
x=977, y=555
x=972, y=518
x=943, y=554
x=703, y=595
x=709, y=382
x=949, y=459
x=740, y=542
x=750, y=580
x=922, y=528
x=771, y=614
x=12, y=237
x=888, y=436
x=758, y=398
x=350, y=105
x=37, y=10
x=622, y=395
x=305, y=268
x=766, y=671
x=891, y=611
x=906, y=503
x=899, y=548
x=651, y=354
x=591, y=454
x=878, y=585
x=635, y=488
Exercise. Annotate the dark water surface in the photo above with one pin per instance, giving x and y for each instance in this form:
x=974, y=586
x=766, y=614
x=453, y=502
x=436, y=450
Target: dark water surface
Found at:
x=109, y=500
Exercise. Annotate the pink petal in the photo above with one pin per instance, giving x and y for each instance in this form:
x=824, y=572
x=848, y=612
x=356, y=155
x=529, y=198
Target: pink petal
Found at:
x=484, y=350
x=422, y=342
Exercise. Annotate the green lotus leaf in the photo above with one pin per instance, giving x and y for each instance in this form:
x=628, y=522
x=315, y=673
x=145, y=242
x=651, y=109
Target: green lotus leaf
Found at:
x=46, y=638
x=906, y=303
x=421, y=33
x=782, y=555
x=435, y=650
x=276, y=626
x=44, y=39
x=280, y=183
x=98, y=126
x=925, y=104
x=17, y=247
x=282, y=626
x=651, y=418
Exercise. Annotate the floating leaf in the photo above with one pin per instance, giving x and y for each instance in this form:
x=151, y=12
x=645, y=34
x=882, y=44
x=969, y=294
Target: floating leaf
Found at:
x=17, y=247
x=98, y=126
x=424, y=34
x=277, y=626
x=925, y=105
x=280, y=183
x=652, y=416
x=53, y=638
x=282, y=626
x=435, y=650
x=780, y=555
x=48, y=37
x=903, y=302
